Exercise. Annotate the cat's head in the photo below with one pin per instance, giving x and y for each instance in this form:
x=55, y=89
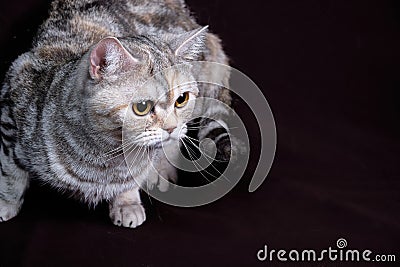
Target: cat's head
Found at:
x=127, y=87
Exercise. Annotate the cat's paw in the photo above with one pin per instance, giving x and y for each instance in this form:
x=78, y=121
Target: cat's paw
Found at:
x=128, y=215
x=8, y=210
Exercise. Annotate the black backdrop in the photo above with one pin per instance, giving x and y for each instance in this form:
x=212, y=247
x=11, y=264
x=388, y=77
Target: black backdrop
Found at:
x=330, y=71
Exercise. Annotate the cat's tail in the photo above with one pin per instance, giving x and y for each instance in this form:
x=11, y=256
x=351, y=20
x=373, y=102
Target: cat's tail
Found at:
x=228, y=146
x=218, y=132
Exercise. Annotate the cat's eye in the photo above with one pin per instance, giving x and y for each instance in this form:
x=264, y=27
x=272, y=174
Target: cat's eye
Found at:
x=142, y=108
x=182, y=100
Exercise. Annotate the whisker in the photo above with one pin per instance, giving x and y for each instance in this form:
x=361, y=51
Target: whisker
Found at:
x=194, y=144
x=117, y=152
x=197, y=165
x=211, y=164
x=129, y=150
x=190, y=127
x=124, y=144
x=138, y=152
x=186, y=136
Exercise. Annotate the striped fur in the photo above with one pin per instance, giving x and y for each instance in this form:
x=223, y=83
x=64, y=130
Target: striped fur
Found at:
x=60, y=116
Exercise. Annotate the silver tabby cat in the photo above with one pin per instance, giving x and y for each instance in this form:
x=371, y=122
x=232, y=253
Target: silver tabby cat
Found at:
x=64, y=102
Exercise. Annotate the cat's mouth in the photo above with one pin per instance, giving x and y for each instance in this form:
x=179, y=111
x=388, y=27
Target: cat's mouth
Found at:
x=164, y=138
x=158, y=145
x=168, y=140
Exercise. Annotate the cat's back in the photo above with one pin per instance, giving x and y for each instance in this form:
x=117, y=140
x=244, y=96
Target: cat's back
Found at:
x=74, y=26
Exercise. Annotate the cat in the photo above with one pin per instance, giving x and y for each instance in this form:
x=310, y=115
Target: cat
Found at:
x=63, y=103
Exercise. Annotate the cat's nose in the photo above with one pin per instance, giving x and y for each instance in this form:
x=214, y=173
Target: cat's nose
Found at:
x=170, y=130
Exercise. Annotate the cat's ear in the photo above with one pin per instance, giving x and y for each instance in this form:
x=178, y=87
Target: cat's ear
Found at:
x=109, y=57
x=191, y=44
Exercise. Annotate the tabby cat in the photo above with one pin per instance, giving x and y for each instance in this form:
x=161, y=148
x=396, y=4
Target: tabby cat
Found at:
x=63, y=103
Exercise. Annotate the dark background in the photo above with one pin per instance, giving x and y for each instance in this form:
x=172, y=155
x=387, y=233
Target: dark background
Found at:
x=330, y=71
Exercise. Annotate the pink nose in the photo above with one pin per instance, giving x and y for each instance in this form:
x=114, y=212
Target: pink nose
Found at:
x=170, y=130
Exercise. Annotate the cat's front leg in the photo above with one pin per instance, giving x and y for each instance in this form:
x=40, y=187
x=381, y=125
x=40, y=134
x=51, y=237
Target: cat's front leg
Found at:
x=127, y=210
x=163, y=171
x=166, y=173
x=13, y=183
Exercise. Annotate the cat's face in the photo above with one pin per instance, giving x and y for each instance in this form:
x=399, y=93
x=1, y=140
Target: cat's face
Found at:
x=159, y=110
x=127, y=90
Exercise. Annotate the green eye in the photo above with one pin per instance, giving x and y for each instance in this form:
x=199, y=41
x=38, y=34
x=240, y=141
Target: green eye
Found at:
x=142, y=108
x=182, y=100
